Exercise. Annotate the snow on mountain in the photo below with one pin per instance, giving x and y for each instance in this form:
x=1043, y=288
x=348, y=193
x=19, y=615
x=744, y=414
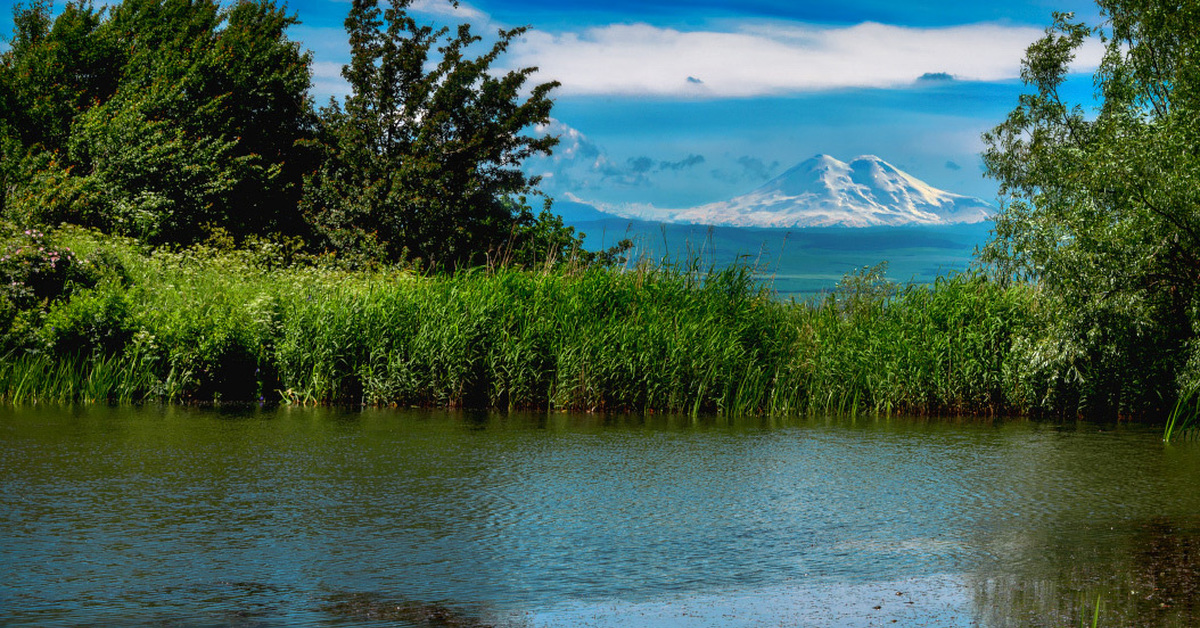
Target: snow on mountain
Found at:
x=826, y=192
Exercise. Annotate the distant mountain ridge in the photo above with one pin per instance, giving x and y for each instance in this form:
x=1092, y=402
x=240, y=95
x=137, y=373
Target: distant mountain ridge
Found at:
x=826, y=192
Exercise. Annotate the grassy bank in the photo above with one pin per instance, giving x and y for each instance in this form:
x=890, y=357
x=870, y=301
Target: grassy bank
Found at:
x=201, y=324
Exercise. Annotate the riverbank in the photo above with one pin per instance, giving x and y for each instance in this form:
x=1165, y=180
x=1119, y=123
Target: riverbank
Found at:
x=124, y=324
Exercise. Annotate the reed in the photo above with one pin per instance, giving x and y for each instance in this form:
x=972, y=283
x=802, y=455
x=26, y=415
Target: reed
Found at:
x=26, y=379
x=649, y=337
x=1095, y=615
x=1184, y=419
x=644, y=339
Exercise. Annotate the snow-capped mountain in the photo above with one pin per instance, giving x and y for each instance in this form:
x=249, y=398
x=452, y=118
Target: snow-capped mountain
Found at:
x=826, y=192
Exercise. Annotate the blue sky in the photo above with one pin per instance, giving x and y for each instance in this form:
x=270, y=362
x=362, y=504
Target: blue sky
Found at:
x=675, y=104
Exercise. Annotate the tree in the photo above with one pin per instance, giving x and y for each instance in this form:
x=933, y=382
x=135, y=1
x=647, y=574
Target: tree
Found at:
x=54, y=69
x=156, y=118
x=1102, y=209
x=422, y=160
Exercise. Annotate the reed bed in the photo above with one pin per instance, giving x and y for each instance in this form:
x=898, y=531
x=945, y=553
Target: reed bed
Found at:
x=646, y=339
x=26, y=379
x=1184, y=420
x=650, y=337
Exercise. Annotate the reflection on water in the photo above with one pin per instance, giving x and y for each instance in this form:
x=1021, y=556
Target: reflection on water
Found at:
x=180, y=516
x=1146, y=574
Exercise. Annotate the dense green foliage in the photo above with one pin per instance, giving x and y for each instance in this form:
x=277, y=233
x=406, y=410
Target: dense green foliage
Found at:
x=423, y=160
x=158, y=119
x=1101, y=211
x=174, y=121
x=929, y=349
x=201, y=324
x=167, y=123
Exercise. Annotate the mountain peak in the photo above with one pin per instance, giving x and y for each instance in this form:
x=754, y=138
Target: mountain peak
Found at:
x=818, y=162
x=823, y=191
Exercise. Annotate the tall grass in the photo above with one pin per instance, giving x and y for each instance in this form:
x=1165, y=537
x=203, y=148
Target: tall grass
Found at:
x=926, y=349
x=1184, y=419
x=41, y=379
x=645, y=339
x=650, y=337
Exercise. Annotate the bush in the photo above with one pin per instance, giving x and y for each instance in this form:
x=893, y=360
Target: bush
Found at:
x=97, y=321
x=34, y=270
x=35, y=273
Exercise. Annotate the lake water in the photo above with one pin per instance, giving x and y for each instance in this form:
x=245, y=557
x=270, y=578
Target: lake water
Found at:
x=803, y=263
x=173, y=516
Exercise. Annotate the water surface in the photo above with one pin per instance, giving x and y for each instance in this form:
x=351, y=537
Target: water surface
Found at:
x=280, y=517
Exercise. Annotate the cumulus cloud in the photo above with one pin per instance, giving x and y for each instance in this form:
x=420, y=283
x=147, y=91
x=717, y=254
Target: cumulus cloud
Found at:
x=327, y=81
x=747, y=170
x=756, y=59
x=579, y=164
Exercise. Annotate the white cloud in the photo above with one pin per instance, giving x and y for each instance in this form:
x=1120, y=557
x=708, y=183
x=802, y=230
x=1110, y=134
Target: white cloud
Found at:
x=578, y=163
x=444, y=8
x=326, y=70
x=572, y=144
x=327, y=81
x=762, y=59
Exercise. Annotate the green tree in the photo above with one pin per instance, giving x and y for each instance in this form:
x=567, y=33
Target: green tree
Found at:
x=1101, y=207
x=422, y=160
x=156, y=118
x=54, y=69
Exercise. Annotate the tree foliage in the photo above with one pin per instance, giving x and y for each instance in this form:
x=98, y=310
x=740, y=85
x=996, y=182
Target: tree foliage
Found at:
x=176, y=121
x=155, y=118
x=1101, y=207
x=422, y=160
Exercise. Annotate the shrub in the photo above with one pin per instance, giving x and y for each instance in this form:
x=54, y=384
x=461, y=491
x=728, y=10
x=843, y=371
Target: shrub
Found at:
x=97, y=321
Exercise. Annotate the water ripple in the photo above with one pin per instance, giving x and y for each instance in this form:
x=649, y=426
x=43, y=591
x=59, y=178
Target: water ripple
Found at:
x=318, y=518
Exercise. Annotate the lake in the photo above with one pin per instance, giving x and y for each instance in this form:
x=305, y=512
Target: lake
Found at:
x=802, y=263
x=178, y=516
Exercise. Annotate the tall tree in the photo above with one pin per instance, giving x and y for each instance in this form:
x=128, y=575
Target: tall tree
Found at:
x=1102, y=207
x=423, y=157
